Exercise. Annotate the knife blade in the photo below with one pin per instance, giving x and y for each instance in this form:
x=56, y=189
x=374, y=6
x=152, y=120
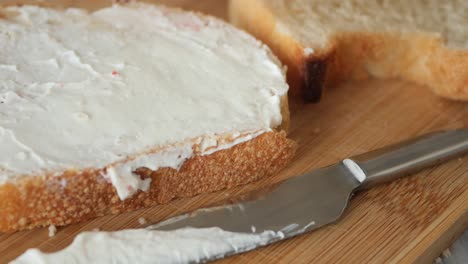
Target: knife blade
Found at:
x=315, y=199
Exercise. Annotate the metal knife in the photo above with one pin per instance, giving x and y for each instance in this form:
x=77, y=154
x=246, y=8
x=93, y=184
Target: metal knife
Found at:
x=304, y=203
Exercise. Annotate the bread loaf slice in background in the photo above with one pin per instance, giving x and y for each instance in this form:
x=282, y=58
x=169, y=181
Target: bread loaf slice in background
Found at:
x=130, y=106
x=327, y=42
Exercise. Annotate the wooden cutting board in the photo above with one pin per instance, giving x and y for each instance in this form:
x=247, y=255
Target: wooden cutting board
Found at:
x=411, y=220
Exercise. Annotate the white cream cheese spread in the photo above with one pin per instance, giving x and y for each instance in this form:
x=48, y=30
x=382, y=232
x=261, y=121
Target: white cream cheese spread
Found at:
x=126, y=87
x=355, y=170
x=144, y=246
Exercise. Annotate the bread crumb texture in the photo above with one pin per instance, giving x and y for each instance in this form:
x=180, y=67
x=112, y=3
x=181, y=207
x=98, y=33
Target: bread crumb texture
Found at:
x=33, y=201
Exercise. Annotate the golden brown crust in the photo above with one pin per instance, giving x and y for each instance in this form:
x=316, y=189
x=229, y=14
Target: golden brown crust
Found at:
x=418, y=57
x=447, y=73
x=75, y=197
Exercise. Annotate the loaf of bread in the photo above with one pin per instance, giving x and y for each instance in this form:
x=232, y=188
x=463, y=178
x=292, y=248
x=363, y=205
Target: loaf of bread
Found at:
x=325, y=42
x=130, y=106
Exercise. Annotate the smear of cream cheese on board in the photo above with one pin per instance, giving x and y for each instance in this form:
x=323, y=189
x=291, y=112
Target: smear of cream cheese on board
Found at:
x=144, y=246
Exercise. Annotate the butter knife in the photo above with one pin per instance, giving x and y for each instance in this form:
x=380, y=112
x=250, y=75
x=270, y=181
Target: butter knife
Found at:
x=317, y=198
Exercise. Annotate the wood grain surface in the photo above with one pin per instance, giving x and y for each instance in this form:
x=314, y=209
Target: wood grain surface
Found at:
x=411, y=220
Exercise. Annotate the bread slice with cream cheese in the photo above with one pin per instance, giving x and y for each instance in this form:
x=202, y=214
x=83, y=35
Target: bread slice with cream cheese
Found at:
x=325, y=42
x=130, y=106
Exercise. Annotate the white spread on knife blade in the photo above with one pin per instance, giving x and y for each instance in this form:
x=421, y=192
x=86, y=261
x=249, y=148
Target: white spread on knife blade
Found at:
x=122, y=87
x=143, y=246
x=355, y=170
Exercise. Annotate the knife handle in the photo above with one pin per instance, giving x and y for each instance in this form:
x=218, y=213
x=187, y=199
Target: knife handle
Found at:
x=407, y=157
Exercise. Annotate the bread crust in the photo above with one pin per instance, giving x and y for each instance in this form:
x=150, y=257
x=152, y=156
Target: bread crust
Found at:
x=419, y=57
x=77, y=196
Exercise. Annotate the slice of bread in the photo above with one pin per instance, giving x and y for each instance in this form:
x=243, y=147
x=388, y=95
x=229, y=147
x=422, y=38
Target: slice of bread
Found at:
x=325, y=42
x=130, y=106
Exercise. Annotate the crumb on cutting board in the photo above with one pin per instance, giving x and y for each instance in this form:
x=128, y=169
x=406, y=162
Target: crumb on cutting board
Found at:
x=52, y=230
x=142, y=220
